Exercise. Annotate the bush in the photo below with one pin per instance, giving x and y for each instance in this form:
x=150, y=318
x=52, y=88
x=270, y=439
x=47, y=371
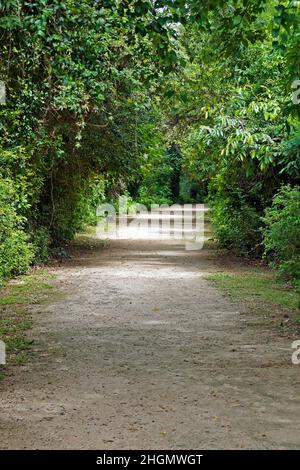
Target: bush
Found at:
x=16, y=253
x=161, y=197
x=236, y=228
x=236, y=202
x=281, y=235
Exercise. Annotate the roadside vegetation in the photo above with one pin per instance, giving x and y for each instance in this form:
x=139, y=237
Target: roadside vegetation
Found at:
x=15, y=318
x=174, y=101
x=261, y=294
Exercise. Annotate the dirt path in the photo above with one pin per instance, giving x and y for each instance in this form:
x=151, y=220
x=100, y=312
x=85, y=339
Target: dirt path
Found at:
x=144, y=353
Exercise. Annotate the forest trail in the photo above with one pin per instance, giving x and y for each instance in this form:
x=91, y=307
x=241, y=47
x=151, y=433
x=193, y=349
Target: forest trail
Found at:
x=143, y=352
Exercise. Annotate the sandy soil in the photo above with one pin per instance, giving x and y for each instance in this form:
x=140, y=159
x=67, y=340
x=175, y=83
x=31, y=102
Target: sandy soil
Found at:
x=143, y=352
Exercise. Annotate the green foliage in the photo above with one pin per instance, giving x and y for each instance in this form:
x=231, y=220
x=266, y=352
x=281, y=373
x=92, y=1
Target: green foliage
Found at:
x=156, y=166
x=165, y=101
x=156, y=185
x=79, y=79
x=282, y=231
x=231, y=112
x=15, y=251
x=236, y=228
x=91, y=197
x=16, y=254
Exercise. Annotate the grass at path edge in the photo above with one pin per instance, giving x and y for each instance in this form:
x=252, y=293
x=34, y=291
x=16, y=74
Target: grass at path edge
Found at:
x=15, y=320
